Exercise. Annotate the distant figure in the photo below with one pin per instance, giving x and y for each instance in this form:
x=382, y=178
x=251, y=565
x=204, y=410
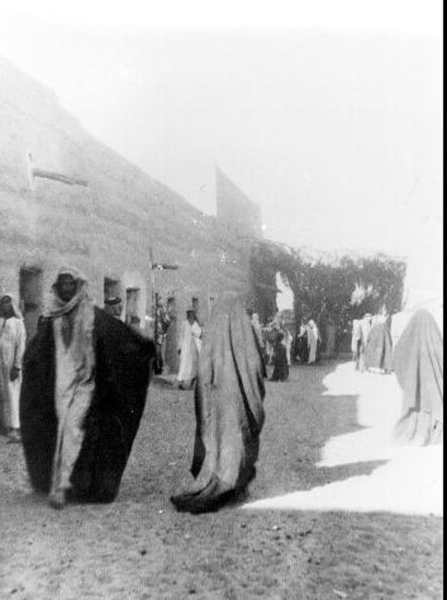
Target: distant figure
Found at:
x=162, y=322
x=288, y=340
x=281, y=367
x=379, y=349
x=361, y=338
x=313, y=337
x=12, y=347
x=302, y=343
x=327, y=331
x=330, y=332
x=189, y=347
x=85, y=379
x=355, y=340
x=269, y=335
x=229, y=410
x=113, y=307
x=419, y=367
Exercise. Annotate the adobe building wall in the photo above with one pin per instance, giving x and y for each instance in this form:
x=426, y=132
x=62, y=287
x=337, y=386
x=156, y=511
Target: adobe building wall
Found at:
x=109, y=229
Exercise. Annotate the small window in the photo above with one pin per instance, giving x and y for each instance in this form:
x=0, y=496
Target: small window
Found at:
x=132, y=301
x=111, y=288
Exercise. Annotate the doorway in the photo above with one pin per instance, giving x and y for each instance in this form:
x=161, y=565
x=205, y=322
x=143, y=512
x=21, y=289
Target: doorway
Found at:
x=132, y=305
x=31, y=297
x=112, y=288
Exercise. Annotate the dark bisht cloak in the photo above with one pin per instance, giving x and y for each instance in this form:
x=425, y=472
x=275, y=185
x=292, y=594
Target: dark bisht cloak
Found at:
x=281, y=368
x=229, y=409
x=121, y=380
x=418, y=363
x=379, y=349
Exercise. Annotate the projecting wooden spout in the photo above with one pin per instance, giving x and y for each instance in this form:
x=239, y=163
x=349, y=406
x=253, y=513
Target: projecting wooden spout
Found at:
x=34, y=172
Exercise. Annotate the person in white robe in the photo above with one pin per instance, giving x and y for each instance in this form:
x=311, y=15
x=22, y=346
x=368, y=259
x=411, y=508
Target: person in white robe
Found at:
x=12, y=348
x=288, y=339
x=313, y=336
x=189, y=347
x=73, y=317
x=365, y=326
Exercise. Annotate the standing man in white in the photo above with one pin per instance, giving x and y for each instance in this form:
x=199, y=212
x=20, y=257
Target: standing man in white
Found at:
x=189, y=347
x=12, y=347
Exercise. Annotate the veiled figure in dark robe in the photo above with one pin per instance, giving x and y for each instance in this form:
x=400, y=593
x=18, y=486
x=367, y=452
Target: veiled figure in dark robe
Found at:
x=85, y=380
x=280, y=364
x=379, y=349
x=418, y=363
x=229, y=410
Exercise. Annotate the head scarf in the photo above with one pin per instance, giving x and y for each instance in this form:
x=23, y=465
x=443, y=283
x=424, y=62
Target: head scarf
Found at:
x=58, y=307
x=15, y=307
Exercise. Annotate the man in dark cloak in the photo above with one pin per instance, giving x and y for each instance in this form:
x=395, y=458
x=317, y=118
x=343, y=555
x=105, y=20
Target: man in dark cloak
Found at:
x=229, y=410
x=418, y=363
x=85, y=380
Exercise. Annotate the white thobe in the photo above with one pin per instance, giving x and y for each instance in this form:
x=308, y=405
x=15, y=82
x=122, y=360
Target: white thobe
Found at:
x=73, y=393
x=12, y=347
x=189, y=345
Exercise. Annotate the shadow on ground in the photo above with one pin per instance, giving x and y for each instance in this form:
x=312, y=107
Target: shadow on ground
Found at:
x=301, y=419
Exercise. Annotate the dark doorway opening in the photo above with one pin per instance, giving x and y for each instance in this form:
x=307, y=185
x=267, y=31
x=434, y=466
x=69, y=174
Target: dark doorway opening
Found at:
x=31, y=297
x=112, y=288
x=132, y=304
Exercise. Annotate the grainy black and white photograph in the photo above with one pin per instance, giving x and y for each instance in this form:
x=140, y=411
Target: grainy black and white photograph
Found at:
x=221, y=303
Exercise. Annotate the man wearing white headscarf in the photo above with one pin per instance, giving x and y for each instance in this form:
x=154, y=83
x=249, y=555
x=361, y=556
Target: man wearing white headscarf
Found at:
x=85, y=381
x=12, y=347
x=72, y=315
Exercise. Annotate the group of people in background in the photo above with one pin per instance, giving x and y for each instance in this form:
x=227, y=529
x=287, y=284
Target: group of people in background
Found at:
x=281, y=349
x=77, y=405
x=308, y=348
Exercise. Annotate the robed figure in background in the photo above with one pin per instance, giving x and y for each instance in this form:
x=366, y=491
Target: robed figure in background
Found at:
x=189, y=346
x=379, y=349
x=419, y=367
x=280, y=363
x=229, y=409
x=85, y=379
x=302, y=346
x=12, y=347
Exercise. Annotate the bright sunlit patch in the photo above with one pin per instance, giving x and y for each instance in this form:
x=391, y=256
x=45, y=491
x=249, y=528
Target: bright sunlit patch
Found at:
x=411, y=483
x=411, y=480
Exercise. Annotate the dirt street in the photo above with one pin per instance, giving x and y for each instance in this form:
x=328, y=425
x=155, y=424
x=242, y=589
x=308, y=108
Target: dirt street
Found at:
x=140, y=548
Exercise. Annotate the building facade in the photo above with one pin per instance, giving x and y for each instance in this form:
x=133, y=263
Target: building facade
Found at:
x=66, y=199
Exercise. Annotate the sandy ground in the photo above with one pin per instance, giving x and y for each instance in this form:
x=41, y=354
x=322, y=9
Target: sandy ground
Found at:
x=410, y=481
x=353, y=526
